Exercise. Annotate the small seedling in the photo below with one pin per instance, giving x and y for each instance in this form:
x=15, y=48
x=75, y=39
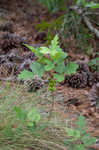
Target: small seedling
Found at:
x=30, y=119
x=79, y=139
x=51, y=60
x=94, y=63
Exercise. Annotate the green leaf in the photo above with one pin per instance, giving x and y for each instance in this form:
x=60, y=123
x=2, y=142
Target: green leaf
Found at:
x=37, y=69
x=33, y=117
x=54, y=42
x=58, y=77
x=80, y=147
x=42, y=26
x=36, y=51
x=44, y=50
x=31, y=48
x=71, y=68
x=8, y=132
x=61, y=57
x=77, y=134
x=20, y=113
x=47, y=61
x=49, y=67
x=94, y=62
x=60, y=68
x=73, y=133
x=91, y=141
x=55, y=55
x=85, y=138
x=92, y=5
x=25, y=75
x=54, y=47
x=49, y=64
x=81, y=2
x=68, y=142
x=70, y=132
x=81, y=123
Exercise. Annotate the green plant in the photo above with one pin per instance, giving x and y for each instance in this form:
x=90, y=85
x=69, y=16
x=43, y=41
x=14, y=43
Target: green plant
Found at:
x=53, y=5
x=51, y=60
x=94, y=63
x=79, y=139
x=30, y=119
x=23, y=119
x=74, y=24
x=50, y=27
x=84, y=3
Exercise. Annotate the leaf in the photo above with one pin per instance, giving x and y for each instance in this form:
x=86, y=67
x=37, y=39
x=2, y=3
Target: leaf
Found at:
x=49, y=67
x=44, y=50
x=70, y=132
x=55, y=55
x=85, y=138
x=71, y=68
x=81, y=123
x=92, y=5
x=42, y=26
x=80, y=147
x=91, y=141
x=37, y=69
x=62, y=57
x=33, y=117
x=94, y=61
x=20, y=113
x=31, y=48
x=54, y=42
x=68, y=142
x=60, y=68
x=25, y=75
x=8, y=132
x=54, y=47
x=58, y=77
x=77, y=134
x=79, y=2
x=36, y=51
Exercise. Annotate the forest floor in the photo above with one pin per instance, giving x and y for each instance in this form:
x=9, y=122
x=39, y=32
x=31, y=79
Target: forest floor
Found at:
x=69, y=102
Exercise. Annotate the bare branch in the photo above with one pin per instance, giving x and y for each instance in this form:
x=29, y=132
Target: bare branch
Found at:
x=83, y=13
x=90, y=26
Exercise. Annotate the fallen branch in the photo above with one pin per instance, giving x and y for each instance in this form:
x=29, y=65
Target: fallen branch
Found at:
x=83, y=13
x=90, y=26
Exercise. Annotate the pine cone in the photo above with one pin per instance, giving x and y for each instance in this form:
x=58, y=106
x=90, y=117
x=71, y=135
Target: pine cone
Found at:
x=10, y=41
x=7, y=26
x=83, y=67
x=96, y=77
x=77, y=80
x=90, y=79
x=94, y=95
x=7, y=44
x=8, y=69
x=34, y=84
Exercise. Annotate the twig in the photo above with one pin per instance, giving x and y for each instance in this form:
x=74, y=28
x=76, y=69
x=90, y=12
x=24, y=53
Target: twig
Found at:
x=90, y=26
x=83, y=13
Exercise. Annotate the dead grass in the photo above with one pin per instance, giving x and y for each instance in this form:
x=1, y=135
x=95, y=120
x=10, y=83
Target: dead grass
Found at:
x=49, y=138
x=50, y=134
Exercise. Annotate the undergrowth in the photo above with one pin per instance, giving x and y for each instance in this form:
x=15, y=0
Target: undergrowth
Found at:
x=24, y=124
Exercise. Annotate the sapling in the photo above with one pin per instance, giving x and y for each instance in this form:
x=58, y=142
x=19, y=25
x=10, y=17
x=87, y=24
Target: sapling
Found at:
x=79, y=139
x=49, y=59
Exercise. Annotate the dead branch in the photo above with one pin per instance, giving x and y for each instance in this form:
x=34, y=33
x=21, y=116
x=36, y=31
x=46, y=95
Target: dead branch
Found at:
x=83, y=13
